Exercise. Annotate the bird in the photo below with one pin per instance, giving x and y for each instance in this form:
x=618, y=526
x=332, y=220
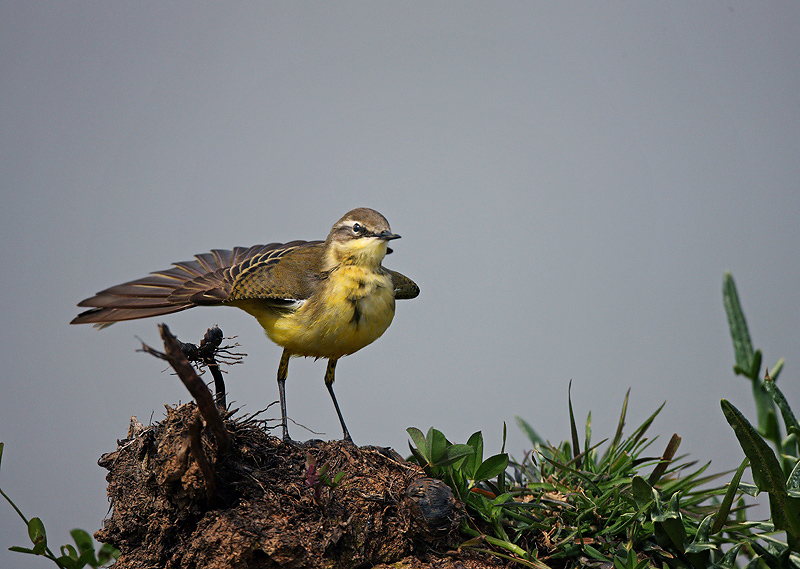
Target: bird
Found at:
x=320, y=299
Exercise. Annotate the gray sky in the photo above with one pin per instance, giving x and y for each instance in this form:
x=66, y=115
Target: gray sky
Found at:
x=571, y=180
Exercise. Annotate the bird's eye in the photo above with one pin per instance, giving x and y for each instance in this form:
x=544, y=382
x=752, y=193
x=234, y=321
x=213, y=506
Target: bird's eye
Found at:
x=358, y=228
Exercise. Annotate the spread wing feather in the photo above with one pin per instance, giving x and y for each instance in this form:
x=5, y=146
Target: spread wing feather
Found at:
x=209, y=279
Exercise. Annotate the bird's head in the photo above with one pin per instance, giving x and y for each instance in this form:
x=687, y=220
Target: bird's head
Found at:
x=359, y=238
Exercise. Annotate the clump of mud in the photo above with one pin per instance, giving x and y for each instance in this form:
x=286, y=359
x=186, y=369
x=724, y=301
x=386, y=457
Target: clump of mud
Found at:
x=263, y=503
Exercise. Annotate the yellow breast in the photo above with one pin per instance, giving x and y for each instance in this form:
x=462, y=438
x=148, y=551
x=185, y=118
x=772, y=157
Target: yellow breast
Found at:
x=353, y=309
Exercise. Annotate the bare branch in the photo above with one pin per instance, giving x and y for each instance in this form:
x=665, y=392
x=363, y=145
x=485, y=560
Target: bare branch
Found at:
x=205, y=402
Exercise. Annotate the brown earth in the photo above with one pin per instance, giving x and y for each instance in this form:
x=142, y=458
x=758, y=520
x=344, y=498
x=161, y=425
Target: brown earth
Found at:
x=263, y=503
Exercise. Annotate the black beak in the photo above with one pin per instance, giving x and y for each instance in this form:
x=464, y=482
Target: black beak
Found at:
x=387, y=235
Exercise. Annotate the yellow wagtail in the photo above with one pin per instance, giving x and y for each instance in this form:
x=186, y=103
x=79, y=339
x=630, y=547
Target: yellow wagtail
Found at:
x=320, y=299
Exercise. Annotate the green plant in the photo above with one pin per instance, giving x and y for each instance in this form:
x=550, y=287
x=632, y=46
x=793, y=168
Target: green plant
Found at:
x=748, y=364
x=571, y=505
x=777, y=474
x=317, y=477
x=462, y=467
x=81, y=555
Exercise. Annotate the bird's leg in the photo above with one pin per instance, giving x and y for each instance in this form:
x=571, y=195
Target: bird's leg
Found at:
x=283, y=371
x=329, y=377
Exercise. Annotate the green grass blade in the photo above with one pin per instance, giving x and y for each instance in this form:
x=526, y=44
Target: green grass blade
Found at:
x=576, y=445
x=634, y=439
x=688, y=482
x=727, y=501
x=666, y=459
x=620, y=424
x=578, y=473
x=532, y=435
x=587, y=441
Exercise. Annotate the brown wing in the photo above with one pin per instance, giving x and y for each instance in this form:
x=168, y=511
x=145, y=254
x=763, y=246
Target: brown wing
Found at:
x=210, y=279
x=404, y=287
x=293, y=275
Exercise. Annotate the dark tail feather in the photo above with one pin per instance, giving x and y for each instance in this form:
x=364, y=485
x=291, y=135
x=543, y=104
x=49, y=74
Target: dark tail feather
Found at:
x=103, y=317
x=186, y=284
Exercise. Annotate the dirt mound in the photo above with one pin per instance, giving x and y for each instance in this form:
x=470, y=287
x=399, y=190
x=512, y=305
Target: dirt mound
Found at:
x=266, y=503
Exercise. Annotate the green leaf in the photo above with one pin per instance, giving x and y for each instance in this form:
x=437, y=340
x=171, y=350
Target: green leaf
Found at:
x=742, y=346
x=473, y=462
x=620, y=423
x=729, y=559
x=666, y=459
x=453, y=453
x=576, y=445
x=777, y=512
x=767, y=472
x=775, y=370
x=418, y=456
x=473, y=541
x=765, y=406
x=86, y=558
x=642, y=491
x=501, y=477
x=673, y=528
x=768, y=420
x=626, y=559
x=83, y=540
x=749, y=489
x=755, y=364
x=419, y=441
x=637, y=435
x=701, y=542
x=69, y=551
x=528, y=431
x=669, y=522
x=756, y=563
x=595, y=554
x=18, y=549
x=786, y=411
x=725, y=507
x=108, y=552
x=38, y=536
x=791, y=508
x=491, y=467
x=587, y=433
x=68, y=562
x=435, y=445
x=793, y=482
